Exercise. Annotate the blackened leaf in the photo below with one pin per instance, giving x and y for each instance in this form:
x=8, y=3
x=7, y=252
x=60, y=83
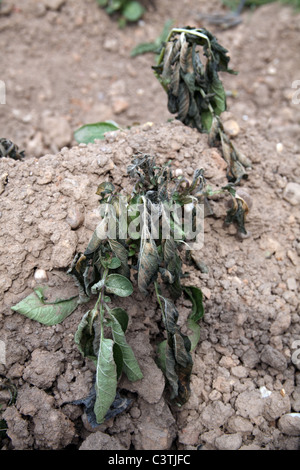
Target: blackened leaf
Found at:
x=120, y=252
x=100, y=234
x=36, y=308
x=106, y=379
x=121, y=316
x=105, y=188
x=84, y=336
x=118, y=358
x=89, y=132
x=130, y=364
x=237, y=214
x=196, y=297
x=173, y=266
x=119, y=405
x=170, y=315
x=183, y=102
x=148, y=264
x=171, y=373
x=118, y=285
x=175, y=356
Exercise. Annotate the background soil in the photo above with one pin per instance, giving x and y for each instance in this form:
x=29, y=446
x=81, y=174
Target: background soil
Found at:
x=66, y=63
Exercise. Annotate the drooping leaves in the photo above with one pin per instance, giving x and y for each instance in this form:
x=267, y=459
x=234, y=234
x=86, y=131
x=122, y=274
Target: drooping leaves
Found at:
x=106, y=379
x=85, y=335
x=175, y=356
x=119, y=319
x=118, y=285
x=10, y=150
x=119, y=405
x=195, y=92
x=35, y=307
x=195, y=295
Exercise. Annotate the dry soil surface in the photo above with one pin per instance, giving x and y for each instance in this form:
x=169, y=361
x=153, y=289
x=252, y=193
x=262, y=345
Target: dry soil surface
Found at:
x=67, y=63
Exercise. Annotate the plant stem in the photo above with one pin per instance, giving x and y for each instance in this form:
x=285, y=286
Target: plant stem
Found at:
x=100, y=302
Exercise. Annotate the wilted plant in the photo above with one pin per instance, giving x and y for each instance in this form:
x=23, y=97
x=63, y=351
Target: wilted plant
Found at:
x=11, y=150
x=195, y=91
x=110, y=265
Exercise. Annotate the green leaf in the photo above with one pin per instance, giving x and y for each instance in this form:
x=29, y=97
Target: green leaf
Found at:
x=35, y=308
x=130, y=364
x=219, y=100
x=161, y=355
x=133, y=11
x=106, y=379
x=120, y=252
x=102, y=3
x=114, y=263
x=206, y=119
x=118, y=285
x=118, y=358
x=144, y=48
x=196, y=297
x=121, y=316
x=89, y=132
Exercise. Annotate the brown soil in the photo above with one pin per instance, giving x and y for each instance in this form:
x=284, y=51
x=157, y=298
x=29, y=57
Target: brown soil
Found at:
x=71, y=65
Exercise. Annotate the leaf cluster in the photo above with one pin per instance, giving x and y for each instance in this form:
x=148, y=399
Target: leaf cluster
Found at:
x=149, y=257
x=188, y=69
x=11, y=150
x=195, y=91
x=128, y=10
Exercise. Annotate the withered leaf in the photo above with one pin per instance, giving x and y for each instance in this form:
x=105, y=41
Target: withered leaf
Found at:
x=148, y=264
x=120, y=251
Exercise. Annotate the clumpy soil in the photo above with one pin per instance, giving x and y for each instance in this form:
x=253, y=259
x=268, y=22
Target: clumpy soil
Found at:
x=66, y=63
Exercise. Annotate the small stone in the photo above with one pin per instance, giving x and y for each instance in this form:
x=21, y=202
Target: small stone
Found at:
x=228, y=442
x=231, y=128
x=281, y=323
x=279, y=147
x=250, y=404
x=289, y=424
x=239, y=371
x=101, y=441
x=120, y=105
x=75, y=217
x=239, y=424
x=54, y=4
x=216, y=414
x=276, y=406
x=273, y=358
x=250, y=358
x=292, y=193
x=40, y=275
x=291, y=283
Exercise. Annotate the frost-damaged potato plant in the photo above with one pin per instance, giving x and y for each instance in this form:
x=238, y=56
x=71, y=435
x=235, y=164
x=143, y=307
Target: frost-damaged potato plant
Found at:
x=188, y=69
x=125, y=250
